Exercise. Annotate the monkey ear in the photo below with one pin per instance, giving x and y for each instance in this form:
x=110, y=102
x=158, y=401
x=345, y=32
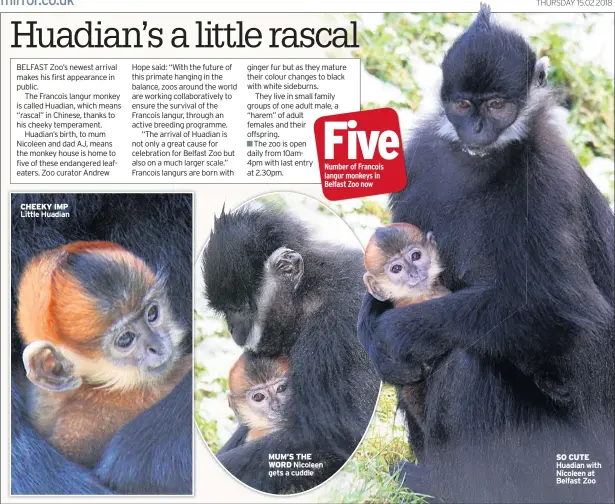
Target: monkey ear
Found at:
x=231, y=404
x=373, y=287
x=47, y=368
x=540, y=71
x=430, y=238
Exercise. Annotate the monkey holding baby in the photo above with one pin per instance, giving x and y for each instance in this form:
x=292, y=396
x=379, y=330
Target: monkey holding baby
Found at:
x=102, y=343
x=403, y=266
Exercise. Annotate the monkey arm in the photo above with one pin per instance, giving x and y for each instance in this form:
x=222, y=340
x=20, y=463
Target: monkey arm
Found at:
x=144, y=446
x=399, y=340
x=237, y=439
x=477, y=318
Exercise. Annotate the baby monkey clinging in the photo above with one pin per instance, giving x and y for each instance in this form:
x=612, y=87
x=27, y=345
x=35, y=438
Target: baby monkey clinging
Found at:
x=258, y=391
x=403, y=266
x=103, y=344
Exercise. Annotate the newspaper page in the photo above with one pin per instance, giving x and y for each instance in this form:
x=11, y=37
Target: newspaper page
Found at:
x=327, y=252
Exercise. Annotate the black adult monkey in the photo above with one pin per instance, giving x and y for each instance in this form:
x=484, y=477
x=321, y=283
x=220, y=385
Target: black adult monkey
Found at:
x=158, y=228
x=523, y=347
x=284, y=294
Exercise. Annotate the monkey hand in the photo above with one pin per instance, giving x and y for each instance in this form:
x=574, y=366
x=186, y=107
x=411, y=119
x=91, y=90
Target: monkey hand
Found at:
x=391, y=367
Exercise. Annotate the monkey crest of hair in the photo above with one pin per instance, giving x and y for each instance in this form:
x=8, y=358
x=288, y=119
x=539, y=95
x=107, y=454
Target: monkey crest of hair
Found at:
x=474, y=62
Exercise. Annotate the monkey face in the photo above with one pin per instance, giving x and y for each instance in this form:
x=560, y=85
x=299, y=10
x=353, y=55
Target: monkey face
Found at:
x=487, y=98
x=401, y=262
x=131, y=300
x=259, y=390
x=410, y=267
x=144, y=339
x=267, y=400
x=264, y=404
x=480, y=121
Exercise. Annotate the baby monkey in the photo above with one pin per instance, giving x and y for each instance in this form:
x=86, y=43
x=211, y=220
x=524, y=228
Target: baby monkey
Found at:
x=403, y=266
x=258, y=391
x=102, y=343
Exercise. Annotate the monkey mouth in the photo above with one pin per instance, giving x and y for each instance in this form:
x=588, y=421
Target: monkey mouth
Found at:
x=418, y=283
x=476, y=151
x=161, y=368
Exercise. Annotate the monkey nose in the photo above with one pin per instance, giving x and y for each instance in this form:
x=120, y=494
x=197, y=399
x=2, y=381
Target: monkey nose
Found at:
x=156, y=353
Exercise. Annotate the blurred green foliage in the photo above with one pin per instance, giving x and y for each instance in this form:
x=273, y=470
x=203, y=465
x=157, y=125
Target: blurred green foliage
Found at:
x=587, y=87
x=384, y=50
x=367, y=473
x=209, y=430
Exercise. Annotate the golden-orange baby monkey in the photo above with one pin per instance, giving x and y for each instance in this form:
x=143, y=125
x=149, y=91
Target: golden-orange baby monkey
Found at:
x=102, y=343
x=403, y=266
x=258, y=391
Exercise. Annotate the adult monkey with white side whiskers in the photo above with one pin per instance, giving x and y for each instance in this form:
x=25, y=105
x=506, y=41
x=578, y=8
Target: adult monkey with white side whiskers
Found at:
x=523, y=347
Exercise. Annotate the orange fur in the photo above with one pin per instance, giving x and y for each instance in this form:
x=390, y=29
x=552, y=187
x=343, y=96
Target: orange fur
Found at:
x=53, y=306
x=237, y=376
x=80, y=422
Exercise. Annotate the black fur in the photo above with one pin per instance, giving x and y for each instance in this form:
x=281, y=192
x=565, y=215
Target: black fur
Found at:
x=140, y=461
x=108, y=281
x=154, y=449
x=524, y=344
x=334, y=387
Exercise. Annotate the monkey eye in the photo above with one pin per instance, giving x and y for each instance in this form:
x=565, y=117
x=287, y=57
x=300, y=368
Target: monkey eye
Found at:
x=496, y=104
x=415, y=256
x=396, y=268
x=281, y=388
x=258, y=397
x=125, y=339
x=463, y=104
x=152, y=313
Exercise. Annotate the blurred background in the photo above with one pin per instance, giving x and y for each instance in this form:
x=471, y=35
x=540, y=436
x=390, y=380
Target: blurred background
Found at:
x=400, y=56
